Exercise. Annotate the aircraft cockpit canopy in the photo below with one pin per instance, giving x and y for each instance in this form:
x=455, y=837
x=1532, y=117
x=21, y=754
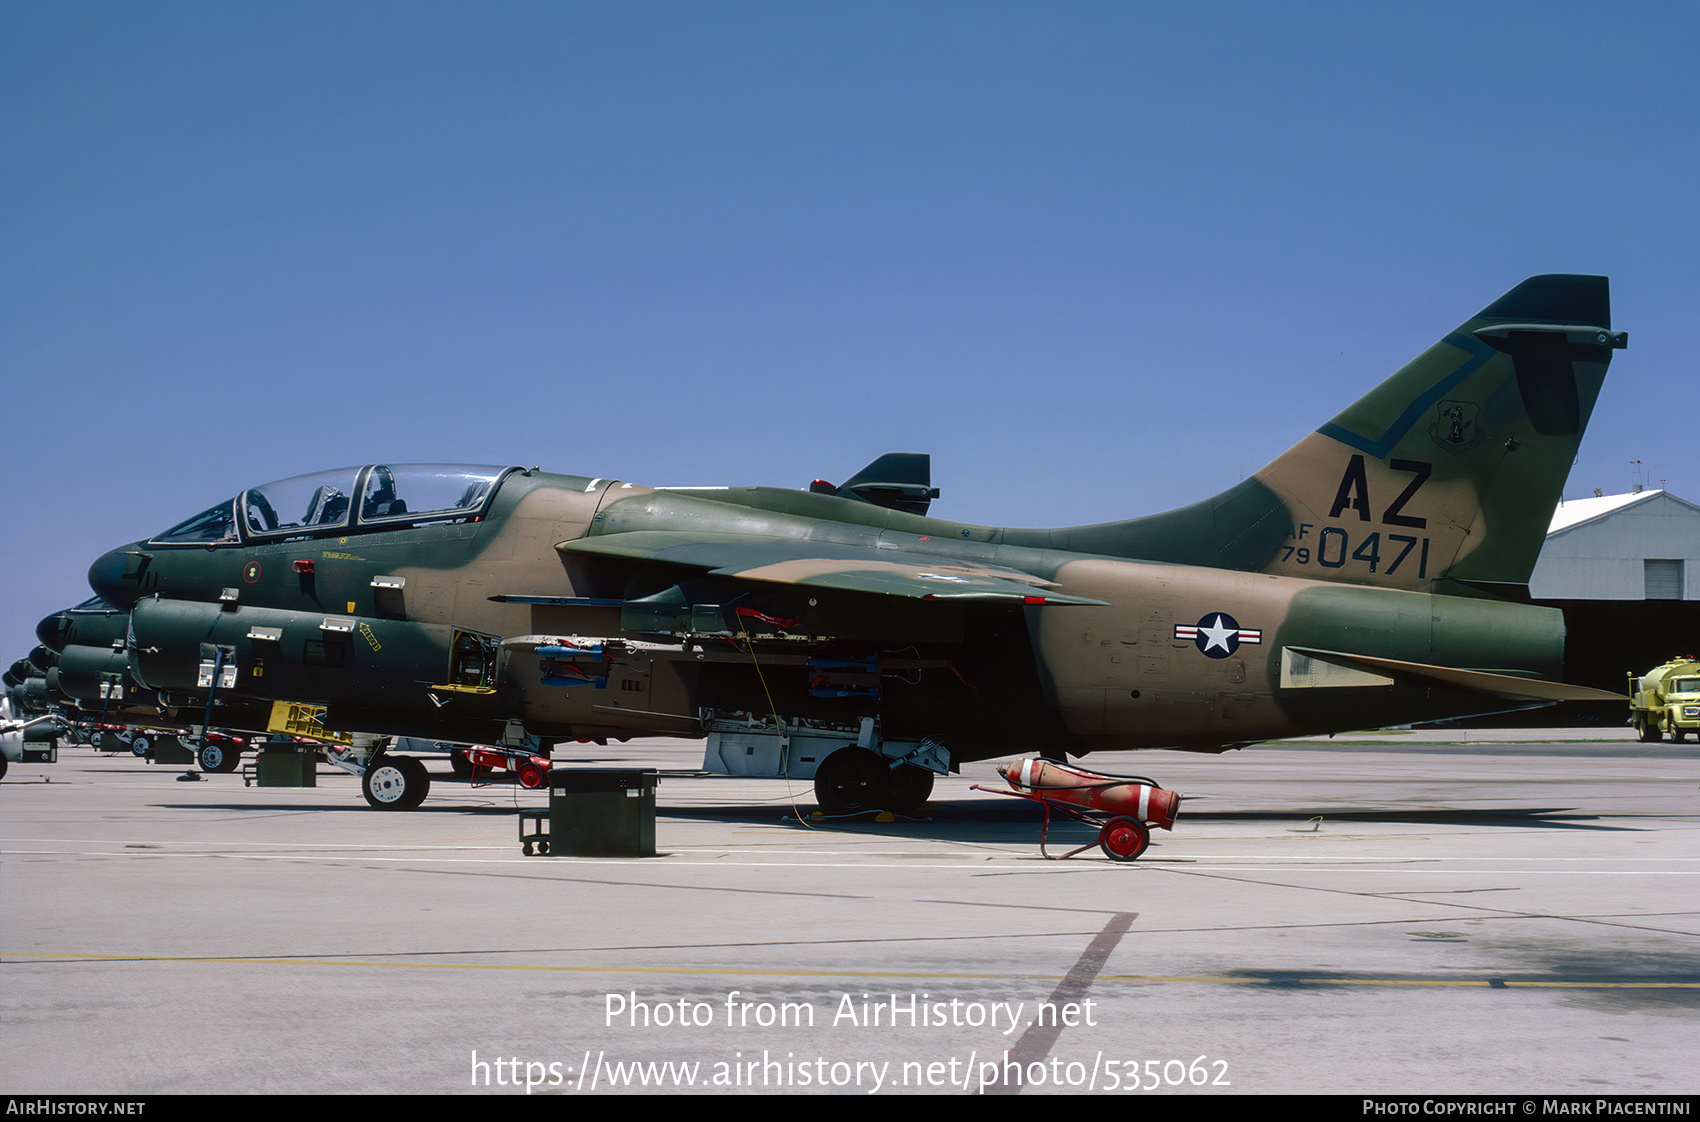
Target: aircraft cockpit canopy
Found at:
x=343, y=501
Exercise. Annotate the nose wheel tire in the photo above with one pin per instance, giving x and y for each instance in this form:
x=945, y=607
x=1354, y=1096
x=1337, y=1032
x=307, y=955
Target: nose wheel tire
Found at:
x=1123, y=839
x=218, y=758
x=395, y=783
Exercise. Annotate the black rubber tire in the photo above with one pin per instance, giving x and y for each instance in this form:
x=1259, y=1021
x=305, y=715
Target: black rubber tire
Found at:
x=851, y=781
x=395, y=783
x=911, y=787
x=216, y=756
x=139, y=745
x=418, y=781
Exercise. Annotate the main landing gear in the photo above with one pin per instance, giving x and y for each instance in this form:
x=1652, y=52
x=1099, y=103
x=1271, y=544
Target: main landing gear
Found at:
x=854, y=780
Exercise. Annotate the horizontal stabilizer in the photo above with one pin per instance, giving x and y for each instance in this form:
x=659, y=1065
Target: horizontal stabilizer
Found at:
x=897, y=481
x=1481, y=681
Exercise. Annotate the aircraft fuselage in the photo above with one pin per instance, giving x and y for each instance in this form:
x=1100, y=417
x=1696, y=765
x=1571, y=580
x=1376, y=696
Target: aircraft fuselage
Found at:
x=409, y=630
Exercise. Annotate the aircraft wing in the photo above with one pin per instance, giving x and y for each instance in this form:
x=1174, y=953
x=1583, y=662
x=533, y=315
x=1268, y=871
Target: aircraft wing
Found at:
x=1482, y=681
x=826, y=565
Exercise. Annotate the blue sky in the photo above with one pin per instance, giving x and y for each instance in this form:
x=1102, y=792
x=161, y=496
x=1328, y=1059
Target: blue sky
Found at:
x=1098, y=259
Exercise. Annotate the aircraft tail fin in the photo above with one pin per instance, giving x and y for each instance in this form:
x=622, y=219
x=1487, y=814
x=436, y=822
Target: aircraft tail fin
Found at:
x=1449, y=471
x=1452, y=467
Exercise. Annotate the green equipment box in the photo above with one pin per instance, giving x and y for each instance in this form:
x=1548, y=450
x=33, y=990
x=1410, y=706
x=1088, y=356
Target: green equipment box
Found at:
x=286, y=765
x=602, y=812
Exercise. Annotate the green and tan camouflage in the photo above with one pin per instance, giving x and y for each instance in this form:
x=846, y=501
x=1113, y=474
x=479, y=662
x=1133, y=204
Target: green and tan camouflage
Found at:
x=1375, y=574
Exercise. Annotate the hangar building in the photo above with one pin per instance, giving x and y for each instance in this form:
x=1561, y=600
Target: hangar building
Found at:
x=1640, y=546
x=1625, y=570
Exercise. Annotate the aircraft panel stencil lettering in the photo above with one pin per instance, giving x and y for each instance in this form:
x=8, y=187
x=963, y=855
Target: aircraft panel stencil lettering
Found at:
x=1334, y=550
x=1391, y=516
x=1354, y=492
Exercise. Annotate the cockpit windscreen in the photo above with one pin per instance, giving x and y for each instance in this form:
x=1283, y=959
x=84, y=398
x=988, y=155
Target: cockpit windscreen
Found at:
x=425, y=492
x=215, y=524
x=307, y=502
x=388, y=497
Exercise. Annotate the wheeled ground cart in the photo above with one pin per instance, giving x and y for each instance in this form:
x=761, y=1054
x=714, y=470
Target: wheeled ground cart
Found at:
x=1123, y=807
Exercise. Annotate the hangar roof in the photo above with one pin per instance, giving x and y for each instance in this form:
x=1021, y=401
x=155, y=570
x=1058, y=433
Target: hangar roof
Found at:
x=1577, y=511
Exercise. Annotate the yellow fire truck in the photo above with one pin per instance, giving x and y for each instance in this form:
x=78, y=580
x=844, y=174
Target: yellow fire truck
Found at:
x=1666, y=699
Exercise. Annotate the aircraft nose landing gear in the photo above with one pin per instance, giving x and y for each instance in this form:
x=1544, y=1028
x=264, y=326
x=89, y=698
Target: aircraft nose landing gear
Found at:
x=218, y=756
x=395, y=783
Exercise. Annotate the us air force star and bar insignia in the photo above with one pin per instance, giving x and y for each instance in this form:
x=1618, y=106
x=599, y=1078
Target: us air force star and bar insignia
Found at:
x=1218, y=634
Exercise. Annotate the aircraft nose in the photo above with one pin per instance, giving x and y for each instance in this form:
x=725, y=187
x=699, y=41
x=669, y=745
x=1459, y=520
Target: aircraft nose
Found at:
x=114, y=575
x=50, y=632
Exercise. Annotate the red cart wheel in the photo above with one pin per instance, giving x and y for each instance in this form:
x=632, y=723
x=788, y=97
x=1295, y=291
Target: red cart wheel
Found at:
x=1123, y=839
x=531, y=776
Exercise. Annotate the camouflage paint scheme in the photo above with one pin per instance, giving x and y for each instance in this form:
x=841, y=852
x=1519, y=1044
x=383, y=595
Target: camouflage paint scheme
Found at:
x=82, y=669
x=1369, y=576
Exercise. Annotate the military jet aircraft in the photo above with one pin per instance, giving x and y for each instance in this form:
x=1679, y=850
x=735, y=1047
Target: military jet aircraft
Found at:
x=1372, y=575
x=82, y=657
x=81, y=671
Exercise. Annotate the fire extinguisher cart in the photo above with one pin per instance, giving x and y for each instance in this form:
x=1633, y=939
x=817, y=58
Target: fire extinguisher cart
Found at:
x=1123, y=807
